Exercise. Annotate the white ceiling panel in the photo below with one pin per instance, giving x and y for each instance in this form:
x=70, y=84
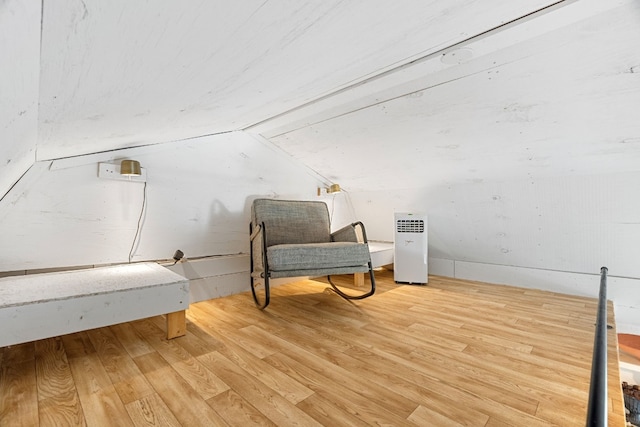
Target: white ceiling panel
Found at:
x=20, y=53
x=563, y=102
x=124, y=73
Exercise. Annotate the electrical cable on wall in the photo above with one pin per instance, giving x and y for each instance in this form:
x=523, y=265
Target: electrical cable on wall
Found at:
x=350, y=204
x=139, y=227
x=333, y=205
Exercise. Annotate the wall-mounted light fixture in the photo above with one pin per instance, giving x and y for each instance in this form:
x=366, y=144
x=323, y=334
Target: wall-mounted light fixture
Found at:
x=127, y=170
x=130, y=168
x=333, y=188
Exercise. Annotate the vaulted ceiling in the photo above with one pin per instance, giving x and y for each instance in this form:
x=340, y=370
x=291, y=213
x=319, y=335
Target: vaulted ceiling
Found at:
x=424, y=91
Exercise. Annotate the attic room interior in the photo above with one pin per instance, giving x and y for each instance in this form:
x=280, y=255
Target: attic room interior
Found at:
x=512, y=126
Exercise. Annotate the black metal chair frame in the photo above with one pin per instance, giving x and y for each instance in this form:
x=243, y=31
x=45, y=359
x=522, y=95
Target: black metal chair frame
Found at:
x=266, y=275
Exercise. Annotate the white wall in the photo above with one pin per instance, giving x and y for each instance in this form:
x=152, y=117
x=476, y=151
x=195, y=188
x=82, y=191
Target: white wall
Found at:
x=574, y=224
x=549, y=233
x=198, y=198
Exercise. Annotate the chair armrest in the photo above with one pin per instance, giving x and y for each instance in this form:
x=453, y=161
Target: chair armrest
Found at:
x=258, y=250
x=345, y=234
x=255, y=232
x=348, y=233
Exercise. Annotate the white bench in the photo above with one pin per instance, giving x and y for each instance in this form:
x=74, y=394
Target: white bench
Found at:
x=46, y=305
x=381, y=255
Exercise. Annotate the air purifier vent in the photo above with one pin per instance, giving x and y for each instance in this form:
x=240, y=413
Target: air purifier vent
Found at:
x=410, y=226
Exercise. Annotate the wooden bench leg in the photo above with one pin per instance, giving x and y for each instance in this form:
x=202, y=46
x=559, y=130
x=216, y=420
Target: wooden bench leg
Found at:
x=358, y=279
x=176, y=324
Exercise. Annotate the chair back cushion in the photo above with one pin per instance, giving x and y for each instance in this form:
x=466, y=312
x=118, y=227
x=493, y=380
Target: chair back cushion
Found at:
x=292, y=221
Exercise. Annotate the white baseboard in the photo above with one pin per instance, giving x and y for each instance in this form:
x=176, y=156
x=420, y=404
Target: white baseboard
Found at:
x=218, y=286
x=214, y=277
x=219, y=276
x=222, y=276
x=624, y=292
x=442, y=267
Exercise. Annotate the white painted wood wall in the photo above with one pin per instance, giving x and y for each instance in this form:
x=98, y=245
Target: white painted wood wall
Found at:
x=551, y=233
x=520, y=140
x=198, y=198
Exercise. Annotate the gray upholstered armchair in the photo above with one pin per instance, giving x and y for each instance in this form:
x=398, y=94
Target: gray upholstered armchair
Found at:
x=292, y=238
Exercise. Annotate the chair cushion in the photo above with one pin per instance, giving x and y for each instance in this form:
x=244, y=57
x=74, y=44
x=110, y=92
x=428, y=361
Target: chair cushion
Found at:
x=313, y=256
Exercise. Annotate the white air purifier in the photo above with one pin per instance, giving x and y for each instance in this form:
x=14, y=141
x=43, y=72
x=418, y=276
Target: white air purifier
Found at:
x=410, y=249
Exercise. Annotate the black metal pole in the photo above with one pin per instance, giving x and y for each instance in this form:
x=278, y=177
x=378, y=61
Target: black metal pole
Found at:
x=597, y=413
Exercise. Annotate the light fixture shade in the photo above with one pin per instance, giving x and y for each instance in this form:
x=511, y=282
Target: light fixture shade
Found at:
x=334, y=188
x=130, y=168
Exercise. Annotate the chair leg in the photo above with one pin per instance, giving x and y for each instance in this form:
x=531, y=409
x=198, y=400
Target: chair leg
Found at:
x=370, y=292
x=358, y=280
x=260, y=304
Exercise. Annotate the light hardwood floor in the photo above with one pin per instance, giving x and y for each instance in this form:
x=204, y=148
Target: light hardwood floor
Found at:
x=447, y=354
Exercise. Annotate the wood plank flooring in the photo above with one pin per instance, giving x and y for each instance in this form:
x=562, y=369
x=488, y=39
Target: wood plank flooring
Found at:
x=448, y=354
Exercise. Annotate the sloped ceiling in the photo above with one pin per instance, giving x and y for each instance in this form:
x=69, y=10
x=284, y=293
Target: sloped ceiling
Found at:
x=124, y=73
x=557, y=94
x=422, y=90
x=19, y=21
